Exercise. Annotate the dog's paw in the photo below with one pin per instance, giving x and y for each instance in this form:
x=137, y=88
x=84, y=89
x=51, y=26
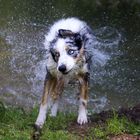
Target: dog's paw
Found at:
x=37, y=127
x=38, y=124
x=82, y=119
x=36, y=135
x=37, y=132
x=52, y=115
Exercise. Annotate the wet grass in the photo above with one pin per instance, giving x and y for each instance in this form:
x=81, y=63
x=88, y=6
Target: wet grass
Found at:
x=16, y=124
x=115, y=126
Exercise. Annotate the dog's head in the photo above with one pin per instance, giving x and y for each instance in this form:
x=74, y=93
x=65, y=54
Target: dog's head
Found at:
x=67, y=51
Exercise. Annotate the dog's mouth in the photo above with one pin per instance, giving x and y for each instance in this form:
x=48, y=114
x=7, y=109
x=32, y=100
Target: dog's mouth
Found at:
x=66, y=72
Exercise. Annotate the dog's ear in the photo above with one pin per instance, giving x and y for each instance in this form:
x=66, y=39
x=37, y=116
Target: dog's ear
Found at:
x=54, y=54
x=65, y=33
x=68, y=33
x=78, y=40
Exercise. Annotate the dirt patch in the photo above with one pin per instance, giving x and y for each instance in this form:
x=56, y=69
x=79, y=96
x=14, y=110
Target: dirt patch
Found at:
x=80, y=130
x=125, y=137
x=132, y=114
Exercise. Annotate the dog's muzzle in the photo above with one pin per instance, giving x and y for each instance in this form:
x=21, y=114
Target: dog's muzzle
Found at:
x=62, y=68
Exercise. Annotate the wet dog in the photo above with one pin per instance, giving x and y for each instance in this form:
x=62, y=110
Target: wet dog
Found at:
x=68, y=58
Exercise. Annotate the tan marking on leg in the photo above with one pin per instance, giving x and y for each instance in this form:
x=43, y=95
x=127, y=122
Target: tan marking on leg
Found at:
x=56, y=92
x=83, y=86
x=82, y=117
x=52, y=87
x=48, y=88
x=56, y=95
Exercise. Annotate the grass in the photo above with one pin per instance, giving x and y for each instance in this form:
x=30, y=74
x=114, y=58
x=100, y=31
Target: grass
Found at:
x=16, y=124
x=115, y=126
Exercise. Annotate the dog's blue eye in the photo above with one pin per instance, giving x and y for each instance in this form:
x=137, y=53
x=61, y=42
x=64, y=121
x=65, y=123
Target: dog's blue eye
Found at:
x=70, y=52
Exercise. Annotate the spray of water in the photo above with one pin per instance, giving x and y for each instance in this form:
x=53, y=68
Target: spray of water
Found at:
x=28, y=62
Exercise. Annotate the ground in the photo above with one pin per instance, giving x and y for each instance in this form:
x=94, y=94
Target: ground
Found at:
x=115, y=122
x=124, y=124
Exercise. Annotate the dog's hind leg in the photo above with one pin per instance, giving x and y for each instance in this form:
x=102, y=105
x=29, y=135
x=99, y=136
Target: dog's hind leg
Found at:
x=82, y=116
x=54, y=108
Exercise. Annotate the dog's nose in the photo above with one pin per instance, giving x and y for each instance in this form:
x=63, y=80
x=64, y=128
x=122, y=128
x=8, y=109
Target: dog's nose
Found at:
x=62, y=68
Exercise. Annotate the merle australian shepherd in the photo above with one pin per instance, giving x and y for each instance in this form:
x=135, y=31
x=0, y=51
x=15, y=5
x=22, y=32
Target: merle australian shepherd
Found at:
x=68, y=58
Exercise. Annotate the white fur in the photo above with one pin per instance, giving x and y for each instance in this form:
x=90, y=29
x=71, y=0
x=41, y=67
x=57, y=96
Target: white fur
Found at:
x=43, y=112
x=41, y=116
x=73, y=24
x=82, y=116
x=64, y=58
x=54, y=108
x=51, y=65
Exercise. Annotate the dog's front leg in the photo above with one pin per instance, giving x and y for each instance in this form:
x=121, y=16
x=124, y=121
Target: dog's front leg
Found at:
x=49, y=85
x=55, y=95
x=82, y=116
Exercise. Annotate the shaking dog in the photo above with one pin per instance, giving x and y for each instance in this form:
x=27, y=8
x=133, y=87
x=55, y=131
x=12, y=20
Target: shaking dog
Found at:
x=68, y=43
